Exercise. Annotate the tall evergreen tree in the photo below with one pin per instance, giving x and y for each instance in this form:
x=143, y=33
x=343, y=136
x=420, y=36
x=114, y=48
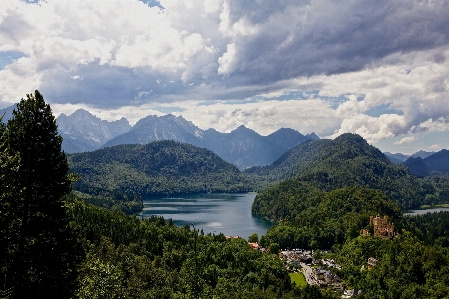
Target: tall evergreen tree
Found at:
x=39, y=259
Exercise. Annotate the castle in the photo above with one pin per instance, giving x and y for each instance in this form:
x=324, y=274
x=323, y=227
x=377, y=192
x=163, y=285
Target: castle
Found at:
x=382, y=228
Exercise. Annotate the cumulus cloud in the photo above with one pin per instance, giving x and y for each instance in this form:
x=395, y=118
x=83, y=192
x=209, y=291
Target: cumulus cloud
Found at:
x=406, y=140
x=244, y=57
x=434, y=147
x=266, y=116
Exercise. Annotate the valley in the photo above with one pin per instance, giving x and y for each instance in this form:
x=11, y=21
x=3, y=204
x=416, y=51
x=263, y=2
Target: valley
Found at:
x=159, y=218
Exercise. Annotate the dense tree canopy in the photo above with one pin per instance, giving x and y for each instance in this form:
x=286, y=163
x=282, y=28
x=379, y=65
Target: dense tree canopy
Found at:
x=157, y=168
x=38, y=250
x=346, y=161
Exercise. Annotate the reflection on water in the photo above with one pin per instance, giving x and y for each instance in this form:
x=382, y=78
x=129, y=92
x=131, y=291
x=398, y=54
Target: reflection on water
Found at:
x=227, y=213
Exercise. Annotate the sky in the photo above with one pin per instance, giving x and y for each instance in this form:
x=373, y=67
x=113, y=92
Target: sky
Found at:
x=376, y=68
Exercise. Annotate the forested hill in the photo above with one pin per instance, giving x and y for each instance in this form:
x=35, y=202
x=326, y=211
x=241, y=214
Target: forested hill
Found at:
x=346, y=161
x=157, y=168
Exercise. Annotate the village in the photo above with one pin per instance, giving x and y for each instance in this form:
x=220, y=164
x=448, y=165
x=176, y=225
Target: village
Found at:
x=320, y=271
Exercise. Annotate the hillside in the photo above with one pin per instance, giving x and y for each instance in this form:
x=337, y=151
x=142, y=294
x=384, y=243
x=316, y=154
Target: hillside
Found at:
x=157, y=168
x=345, y=161
x=242, y=147
x=438, y=162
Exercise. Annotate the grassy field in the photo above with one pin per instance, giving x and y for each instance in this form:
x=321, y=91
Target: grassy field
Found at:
x=298, y=278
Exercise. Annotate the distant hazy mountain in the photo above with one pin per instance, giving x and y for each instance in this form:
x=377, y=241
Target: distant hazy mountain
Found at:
x=83, y=131
x=155, y=128
x=438, y=161
x=417, y=167
x=397, y=158
x=7, y=113
x=242, y=147
x=287, y=138
x=432, y=164
x=422, y=154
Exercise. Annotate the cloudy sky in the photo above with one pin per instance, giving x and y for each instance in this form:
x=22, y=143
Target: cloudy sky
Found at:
x=376, y=68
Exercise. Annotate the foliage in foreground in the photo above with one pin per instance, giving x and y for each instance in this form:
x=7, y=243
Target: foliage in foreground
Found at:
x=316, y=219
x=127, y=257
x=407, y=268
x=38, y=253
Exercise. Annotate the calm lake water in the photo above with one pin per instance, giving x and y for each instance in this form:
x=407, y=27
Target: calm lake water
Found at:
x=424, y=211
x=227, y=213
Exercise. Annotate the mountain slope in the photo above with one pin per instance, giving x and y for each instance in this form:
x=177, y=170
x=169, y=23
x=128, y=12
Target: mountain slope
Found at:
x=422, y=154
x=163, y=167
x=154, y=128
x=82, y=131
x=345, y=161
x=242, y=147
x=397, y=158
x=438, y=161
x=417, y=167
x=287, y=138
x=7, y=113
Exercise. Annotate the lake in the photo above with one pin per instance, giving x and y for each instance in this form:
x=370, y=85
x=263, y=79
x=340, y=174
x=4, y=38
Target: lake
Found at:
x=227, y=213
x=424, y=211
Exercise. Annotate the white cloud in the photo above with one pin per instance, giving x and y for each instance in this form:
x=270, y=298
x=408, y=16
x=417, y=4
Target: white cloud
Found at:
x=406, y=140
x=356, y=56
x=264, y=117
x=434, y=147
x=228, y=61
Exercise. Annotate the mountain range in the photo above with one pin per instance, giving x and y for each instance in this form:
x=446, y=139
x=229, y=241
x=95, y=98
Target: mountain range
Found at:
x=399, y=158
x=437, y=163
x=242, y=147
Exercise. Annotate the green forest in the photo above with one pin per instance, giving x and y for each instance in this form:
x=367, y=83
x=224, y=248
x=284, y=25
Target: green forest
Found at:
x=67, y=229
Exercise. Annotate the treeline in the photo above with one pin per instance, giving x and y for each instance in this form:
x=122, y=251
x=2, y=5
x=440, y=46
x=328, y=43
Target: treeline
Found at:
x=322, y=219
x=157, y=168
x=127, y=257
x=346, y=161
x=407, y=267
x=54, y=245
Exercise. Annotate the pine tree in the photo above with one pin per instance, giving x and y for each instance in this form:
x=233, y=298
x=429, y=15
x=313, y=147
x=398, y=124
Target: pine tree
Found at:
x=40, y=252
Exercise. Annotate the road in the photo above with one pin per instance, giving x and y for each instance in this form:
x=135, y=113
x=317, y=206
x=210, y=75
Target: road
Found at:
x=308, y=273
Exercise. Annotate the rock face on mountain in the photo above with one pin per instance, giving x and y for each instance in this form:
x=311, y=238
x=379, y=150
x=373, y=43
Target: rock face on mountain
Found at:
x=154, y=128
x=242, y=147
x=83, y=131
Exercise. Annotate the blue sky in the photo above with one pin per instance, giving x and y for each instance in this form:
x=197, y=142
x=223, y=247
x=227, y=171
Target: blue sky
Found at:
x=376, y=68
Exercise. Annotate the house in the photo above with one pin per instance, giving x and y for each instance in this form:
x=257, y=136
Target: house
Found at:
x=326, y=276
x=350, y=293
x=372, y=262
x=254, y=245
